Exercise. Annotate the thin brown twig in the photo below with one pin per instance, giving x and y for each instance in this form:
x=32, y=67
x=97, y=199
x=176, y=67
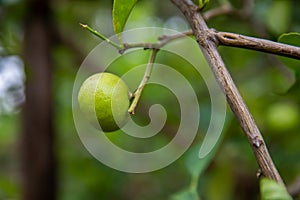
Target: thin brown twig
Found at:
x=246, y=9
x=208, y=46
x=237, y=40
x=228, y=9
x=223, y=9
x=162, y=40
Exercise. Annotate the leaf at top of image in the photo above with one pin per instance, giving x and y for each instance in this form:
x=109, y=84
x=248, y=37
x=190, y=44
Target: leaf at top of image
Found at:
x=120, y=14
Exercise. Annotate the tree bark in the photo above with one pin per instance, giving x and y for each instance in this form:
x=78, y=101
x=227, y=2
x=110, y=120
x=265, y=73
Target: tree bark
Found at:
x=208, y=45
x=38, y=160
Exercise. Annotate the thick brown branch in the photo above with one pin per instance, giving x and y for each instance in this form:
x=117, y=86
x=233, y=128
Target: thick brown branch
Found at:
x=208, y=46
x=236, y=40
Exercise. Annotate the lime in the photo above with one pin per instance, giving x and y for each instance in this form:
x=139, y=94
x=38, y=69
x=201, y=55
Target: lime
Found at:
x=104, y=99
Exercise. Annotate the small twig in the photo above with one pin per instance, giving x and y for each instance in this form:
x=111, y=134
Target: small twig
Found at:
x=137, y=94
x=101, y=36
x=223, y=9
x=246, y=9
x=162, y=40
x=228, y=9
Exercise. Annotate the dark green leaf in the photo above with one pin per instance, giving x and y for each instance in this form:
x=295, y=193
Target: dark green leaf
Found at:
x=271, y=190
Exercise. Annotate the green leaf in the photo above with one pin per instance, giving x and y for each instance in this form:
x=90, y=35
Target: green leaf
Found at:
x=271, y=190
x=203, y=3
x=120, y=13
x=291, y=39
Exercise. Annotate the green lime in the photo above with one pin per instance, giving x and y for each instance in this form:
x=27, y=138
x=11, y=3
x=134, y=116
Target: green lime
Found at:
x=104, y=99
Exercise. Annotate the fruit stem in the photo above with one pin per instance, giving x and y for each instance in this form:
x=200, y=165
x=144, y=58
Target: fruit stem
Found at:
x=101, y=36
x=137, y=94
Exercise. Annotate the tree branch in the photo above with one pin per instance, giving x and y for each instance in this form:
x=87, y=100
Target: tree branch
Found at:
x=228, y=39
x=208, y=46
x=162, y=40
x=237, y=40
x=224, y=38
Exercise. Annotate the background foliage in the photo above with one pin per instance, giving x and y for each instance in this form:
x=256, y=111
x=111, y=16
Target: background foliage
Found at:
x=263, y=81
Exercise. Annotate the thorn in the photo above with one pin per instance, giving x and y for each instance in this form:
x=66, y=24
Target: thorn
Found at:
x=257, y=142
x=258, y=173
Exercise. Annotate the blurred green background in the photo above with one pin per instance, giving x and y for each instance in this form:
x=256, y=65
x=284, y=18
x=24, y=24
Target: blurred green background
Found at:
x=269, y=87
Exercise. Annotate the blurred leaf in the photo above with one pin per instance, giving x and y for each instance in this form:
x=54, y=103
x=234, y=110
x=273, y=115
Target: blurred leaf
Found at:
x=185, y=194
x=121, y=11
x=279, y=16
x=271, y=190
x=292, y=38
x=195, y=165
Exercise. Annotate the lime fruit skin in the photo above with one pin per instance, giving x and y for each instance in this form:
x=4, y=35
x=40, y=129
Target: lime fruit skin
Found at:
x=104, y=100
